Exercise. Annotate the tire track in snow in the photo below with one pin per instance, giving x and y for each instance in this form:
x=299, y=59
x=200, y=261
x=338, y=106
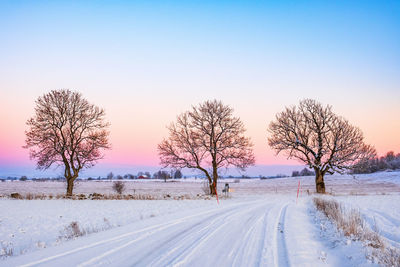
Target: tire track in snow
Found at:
x=281, y=253
x=119, y=238
x=199, y=234
x=244, y=249
x=187, y=250
x=155, y=249
x=147, y=235
x=199, y=228
x=263, y=249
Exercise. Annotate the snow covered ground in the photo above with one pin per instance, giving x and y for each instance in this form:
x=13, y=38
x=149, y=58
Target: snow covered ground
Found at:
x=28, y=225
x=251, y=232
x=377, y=183
x=261, y=224
x=381, y=213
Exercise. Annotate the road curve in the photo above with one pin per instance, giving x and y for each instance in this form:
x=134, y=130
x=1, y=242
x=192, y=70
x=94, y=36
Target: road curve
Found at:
x=249, y=233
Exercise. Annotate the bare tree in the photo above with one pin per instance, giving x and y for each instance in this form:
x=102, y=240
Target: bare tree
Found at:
x=162, y=175
x=207, y=138
x=66, y=130
x=314, y=135
x=177, y=174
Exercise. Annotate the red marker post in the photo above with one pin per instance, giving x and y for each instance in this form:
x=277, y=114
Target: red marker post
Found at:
x=298, y=189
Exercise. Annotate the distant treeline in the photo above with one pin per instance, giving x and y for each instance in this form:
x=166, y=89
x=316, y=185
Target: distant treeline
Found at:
x=172, y=174
x=388, y=162
x=303, y=172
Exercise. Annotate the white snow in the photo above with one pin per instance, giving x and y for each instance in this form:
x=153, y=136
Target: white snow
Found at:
x=381, y=213
x=27, y=225
x=261, y=225
x=249, y=232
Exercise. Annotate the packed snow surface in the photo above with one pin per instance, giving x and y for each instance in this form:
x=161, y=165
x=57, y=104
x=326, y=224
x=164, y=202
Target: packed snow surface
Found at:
x=250, y=232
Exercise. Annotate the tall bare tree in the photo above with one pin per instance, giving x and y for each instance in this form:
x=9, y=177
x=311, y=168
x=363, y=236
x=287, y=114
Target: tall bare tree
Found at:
x=207, y=138
x=314, y=135
x=66, y=130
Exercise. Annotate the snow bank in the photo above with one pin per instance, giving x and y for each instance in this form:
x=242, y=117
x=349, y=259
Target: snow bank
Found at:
x=381, y=213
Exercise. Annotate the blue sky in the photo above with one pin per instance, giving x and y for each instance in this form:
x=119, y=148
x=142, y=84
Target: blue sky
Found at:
x=147, y=61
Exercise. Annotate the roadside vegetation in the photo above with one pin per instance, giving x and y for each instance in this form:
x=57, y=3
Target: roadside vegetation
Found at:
x=98, y=196
x=352, y=225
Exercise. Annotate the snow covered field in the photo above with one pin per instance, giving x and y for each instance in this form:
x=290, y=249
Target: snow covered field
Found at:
x=261, y=224
x=27, y=225
x=378, y=183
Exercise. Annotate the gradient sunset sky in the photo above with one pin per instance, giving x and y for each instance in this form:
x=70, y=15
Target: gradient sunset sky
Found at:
x=145, y=62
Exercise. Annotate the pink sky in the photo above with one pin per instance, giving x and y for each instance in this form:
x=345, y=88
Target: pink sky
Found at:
x=137, y=129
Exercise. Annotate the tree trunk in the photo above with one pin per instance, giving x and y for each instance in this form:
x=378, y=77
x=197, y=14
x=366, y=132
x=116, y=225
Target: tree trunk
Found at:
x=213, y=188
x=215, y=179
x=319, y=182
x=70, y=186
x=210, y=185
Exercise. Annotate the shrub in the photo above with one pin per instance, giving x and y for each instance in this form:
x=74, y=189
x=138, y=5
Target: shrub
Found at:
x=6, y=250
x=119, y=187
x=73, y=230
x=16, y=195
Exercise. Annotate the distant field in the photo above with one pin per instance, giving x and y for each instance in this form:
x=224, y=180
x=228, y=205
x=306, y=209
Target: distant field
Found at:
x=378, y=183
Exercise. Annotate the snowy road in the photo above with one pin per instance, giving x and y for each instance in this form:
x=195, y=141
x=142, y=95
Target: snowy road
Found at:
x=262, y=232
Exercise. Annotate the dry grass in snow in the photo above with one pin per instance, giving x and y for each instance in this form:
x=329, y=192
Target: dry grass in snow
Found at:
x=352, y=225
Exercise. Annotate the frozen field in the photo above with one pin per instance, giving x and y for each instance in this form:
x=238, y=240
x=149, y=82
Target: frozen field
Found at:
x=380, y=183
x=260, y=224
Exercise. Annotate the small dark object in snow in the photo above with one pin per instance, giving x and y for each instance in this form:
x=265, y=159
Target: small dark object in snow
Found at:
x=16, y=195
